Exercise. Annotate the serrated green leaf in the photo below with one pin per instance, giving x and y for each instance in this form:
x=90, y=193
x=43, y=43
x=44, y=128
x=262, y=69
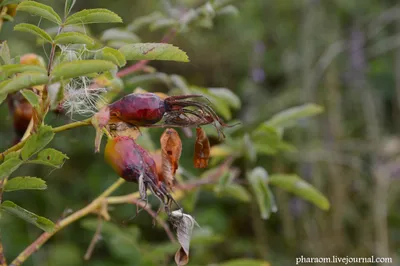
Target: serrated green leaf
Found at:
x=37, y=141
x=10, y=2
x=35, y=30
x=12, y=69
x=3, y=96
x=23, y=183
x=231, y=99
x=258, y=179
x=244, y=262
x=41, y=222
x=97, y=15
x=112, y=55
x=119, y=34
x=290, y=116
x=9, y=166
x=38, y=9
x=50, y=157
x=22, y=81
x=32, y=97
x=69, y=4
x=153, y=51
x=301, y=188
x=73, y=38
x=80, y=68
x=5, y=53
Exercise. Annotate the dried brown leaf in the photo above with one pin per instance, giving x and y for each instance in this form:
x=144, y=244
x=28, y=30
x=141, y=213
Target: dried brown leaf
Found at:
x=171, y=149
x=201, y=149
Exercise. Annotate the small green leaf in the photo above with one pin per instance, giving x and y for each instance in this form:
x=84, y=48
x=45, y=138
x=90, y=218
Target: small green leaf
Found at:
x=163, y=23
x=69, y=4
x=38, y=9
x=73, y=38
x=41, y=222
x=50, y=157
x=119, y=34
x=23, y=183
x=3, y=96
x=9, y=166
x=111, y=55
x=153, y=51
x=244, y=262
x=97, y=15
x=22, y=81
x=37, y=141
x=12, y=69
x=80, y=68
x=249, y=151
x=258, y=179
x=290, y=116
x=227, y=95
x=10, y=2
x=5, y=53
x=32, y=97
x=235, y=191
x=301, y=188
x=13, y=154
x=143, y=21
x=35, y=30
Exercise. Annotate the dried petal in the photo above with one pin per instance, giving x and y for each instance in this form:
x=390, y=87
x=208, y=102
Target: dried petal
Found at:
x=201, y=149
x=184, y=224
x=171, y=149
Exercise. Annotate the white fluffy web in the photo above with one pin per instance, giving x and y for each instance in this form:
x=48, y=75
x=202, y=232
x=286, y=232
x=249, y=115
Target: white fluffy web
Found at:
x=81, y=95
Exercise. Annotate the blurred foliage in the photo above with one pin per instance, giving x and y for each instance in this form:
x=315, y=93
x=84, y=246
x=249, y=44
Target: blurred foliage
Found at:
x=275, y=57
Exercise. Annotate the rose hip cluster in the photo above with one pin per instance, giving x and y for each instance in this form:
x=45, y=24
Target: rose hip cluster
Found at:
x=135, y=164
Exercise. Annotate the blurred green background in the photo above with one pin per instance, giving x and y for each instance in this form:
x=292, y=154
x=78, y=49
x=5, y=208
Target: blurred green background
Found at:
x=274, y=54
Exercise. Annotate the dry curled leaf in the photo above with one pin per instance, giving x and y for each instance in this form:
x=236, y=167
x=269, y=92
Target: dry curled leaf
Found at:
x=201, y=149
x=184, y=224
x=171, y=149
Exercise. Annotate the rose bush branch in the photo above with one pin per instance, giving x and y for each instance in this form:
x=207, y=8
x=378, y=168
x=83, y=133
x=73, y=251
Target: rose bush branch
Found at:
x=105, y=198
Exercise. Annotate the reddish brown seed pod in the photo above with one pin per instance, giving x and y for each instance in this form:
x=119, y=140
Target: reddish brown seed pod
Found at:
x=201, y=149
x=138, y=109
x=146, y=109
x=171, y=149
x=124, y=157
